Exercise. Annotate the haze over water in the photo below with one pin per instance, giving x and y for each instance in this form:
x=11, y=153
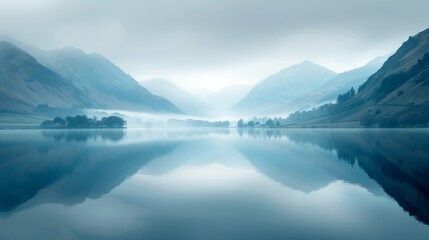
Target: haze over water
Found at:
x=214, y=184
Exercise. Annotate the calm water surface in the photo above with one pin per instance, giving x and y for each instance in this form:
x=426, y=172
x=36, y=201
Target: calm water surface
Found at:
x=214, y=184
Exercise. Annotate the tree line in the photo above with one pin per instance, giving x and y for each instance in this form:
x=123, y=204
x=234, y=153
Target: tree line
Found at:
x=82, y=121
x=321, y=111
x=342, y=98
x=324, y=110
x=259, y=123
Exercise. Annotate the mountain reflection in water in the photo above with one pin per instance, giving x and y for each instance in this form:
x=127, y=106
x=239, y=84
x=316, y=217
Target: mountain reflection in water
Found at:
x=398, y=160
x=201, y=183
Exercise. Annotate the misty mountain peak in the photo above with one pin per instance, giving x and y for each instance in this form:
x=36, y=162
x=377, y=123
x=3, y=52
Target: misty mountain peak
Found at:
x=7, y=45
x=307, y=63
x=284, y=86
x=6, y=38
x=71, y=50
x=379, y=60
x=12, y=54
x=296, y=71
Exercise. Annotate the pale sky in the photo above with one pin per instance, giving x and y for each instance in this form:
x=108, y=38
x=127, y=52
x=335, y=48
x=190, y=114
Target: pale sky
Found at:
x=211, y=44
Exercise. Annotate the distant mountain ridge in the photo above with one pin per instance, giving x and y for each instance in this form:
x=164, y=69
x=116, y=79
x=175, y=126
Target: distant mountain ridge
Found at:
x=25, y=83
x=185, y=101
x=104, y=83
x=339, y=84
x=100, y=83
x=397, y=95
x=282, y=87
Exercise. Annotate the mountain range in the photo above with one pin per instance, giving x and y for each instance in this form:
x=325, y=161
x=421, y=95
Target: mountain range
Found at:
x=281, y=88
x=25, y=83
x=395, y=96
x=70, y=78
x=335, y=86
x=391, y=93
x=199, y=102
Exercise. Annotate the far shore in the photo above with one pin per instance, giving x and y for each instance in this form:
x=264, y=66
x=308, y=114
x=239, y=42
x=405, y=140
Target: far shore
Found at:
x=53, y=128
x=35, y=127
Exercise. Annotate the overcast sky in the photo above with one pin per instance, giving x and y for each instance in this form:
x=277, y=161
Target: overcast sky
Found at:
x=202, y=43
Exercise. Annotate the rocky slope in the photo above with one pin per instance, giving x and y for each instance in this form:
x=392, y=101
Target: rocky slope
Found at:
x=397, y=95
x=25, y=83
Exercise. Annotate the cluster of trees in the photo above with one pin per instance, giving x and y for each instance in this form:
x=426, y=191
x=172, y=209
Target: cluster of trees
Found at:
x=197, y=123
x=259, y=123
x=297, y=116
x=82, y=121
x=321, y=111
x=342, y=98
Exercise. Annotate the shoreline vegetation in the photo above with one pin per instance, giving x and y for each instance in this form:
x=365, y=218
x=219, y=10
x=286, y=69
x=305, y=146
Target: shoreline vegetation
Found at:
x=82, y=121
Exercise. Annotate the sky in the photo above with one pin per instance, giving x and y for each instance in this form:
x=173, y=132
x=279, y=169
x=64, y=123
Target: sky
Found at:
x=215, y=43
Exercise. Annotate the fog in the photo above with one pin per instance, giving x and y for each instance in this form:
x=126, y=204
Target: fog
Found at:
x=212, y=44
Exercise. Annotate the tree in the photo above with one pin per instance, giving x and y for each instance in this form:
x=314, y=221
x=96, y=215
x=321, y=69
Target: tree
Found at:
x=81, y=121
x=346, y=96
x=251, y=124
x=240, y=123
x=269, y=123
x=46, y=123
x=352, y=92
x=112, y=121
x=69, y=121
x=58, y=122
x=277, y=124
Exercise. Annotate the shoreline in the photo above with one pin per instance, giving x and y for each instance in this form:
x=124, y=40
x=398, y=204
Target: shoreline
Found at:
x=4, y=128
x=57, y=128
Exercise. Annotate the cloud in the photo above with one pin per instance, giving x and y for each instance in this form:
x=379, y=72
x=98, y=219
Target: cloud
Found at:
x=214, y=43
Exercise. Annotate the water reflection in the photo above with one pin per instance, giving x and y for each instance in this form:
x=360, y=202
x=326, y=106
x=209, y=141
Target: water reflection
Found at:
x=34, y=161
x=398, y=160
x=222, y=184
x=83, y=135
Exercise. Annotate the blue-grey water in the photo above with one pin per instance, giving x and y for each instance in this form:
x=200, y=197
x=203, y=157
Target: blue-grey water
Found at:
x=214, y=184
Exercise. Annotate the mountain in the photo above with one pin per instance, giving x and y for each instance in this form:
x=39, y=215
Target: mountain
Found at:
x=25, y=83
x=339, y=84
x=106, y=85
x=397, y=95
x=381, y=155
x=281, y=88
x=185, y=101
x=224, y=98
x=103, y=84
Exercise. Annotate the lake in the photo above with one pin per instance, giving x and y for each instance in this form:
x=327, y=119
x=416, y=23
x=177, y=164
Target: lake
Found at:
x=214, y=184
